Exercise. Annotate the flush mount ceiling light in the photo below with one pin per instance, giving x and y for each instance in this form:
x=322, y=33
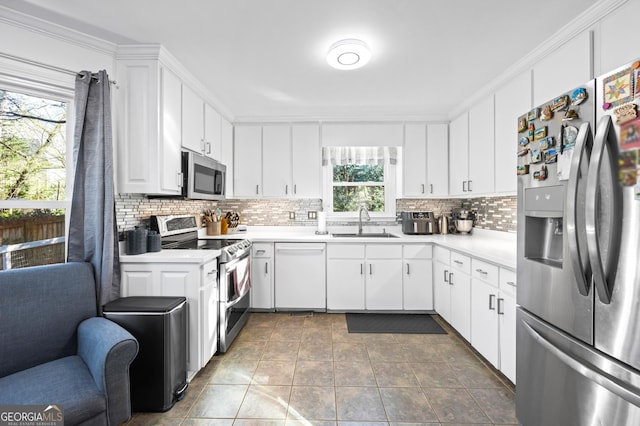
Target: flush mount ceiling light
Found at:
x=348, y=54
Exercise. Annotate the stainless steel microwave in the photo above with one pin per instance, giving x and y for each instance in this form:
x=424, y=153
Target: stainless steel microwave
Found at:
x=203, y=177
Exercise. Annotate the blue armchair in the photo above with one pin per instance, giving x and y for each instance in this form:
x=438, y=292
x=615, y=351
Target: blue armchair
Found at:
x=55, y=350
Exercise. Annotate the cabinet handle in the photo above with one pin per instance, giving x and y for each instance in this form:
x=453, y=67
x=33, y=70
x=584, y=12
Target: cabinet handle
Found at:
x=180, y=179
x=370, y=269
x=286, y=189
x=446, y=280
x=208, y=144
x=464, y=186
x=422, y=191
x=480, y=271
x=266, y=267
x=259, y=252
x=295, y=188
x=511, y=283
x=500, y=306
x=491, y=297
x=450, y=278
x=469, y=185
x=211, y=272
x=457, y=262
x=430, y=188
x=361, y=269
x=408, y=269
x=257, y=189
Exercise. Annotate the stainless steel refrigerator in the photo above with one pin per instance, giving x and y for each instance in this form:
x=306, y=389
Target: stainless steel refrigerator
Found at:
x=578, y=317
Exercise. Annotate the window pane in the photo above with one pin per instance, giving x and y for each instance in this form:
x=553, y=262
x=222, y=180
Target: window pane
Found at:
x=358, y=173
x=32, y=147
x=350, y=198
x=40, y=234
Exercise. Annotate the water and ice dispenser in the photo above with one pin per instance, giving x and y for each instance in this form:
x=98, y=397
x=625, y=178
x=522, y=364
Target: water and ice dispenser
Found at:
x=544, y=211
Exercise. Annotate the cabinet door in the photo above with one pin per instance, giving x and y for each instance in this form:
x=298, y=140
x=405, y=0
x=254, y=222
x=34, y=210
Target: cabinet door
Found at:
x=438, y=159
x=512, y=100
x=459, y=155
x=262, y=283
x=276, y=161
x=442, y=290
x=247, y=161
x=226, y=152
x=461, y=303
x=383, y=284
x=307, y=161
x=415, y=160
x=417, y=284
x=192, y=120
x=345, y=284
x=484, y=320
x=507, y=319
x=171, y=172
x=481, y=147
x=212, y=133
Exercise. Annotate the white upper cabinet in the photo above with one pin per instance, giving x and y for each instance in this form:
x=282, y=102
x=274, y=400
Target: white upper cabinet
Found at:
x=192, y=120
x=276, y=161
x=415, y=160
x=426, y=158
x=226, y=152
x=614, y=46
x=212, y=133
x=438, y=159
x=459, y=154
x=481, y=148
x=171, y=172
x=247, y=161
x=512, y=100
x=566, y=68
x=307, y=161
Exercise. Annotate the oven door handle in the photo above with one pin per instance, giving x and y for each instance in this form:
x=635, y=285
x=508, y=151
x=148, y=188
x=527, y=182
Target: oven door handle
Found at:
x=235, y=301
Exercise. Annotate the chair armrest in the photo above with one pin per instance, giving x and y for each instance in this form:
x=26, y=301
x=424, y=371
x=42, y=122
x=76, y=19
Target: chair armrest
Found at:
x=108, y=350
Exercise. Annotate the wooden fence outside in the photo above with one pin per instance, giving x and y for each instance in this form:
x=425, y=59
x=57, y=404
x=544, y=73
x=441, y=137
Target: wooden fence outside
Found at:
x=16, y=231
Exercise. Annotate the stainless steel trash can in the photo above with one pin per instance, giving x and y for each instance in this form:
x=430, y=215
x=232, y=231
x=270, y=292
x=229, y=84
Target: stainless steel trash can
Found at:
x=158, y=375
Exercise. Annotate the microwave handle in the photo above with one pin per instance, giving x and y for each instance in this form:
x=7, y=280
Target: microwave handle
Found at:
x=180, y=177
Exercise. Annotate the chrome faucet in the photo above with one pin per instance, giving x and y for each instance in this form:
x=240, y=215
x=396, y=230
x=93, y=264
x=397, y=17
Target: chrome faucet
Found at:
x=366, y=212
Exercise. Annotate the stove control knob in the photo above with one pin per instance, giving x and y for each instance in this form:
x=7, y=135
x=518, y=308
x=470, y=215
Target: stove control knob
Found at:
x=231, y=250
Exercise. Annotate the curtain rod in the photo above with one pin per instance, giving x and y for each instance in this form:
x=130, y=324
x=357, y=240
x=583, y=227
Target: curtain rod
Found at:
x=43, y=65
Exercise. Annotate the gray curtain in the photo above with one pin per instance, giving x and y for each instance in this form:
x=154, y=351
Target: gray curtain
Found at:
x=92, y=229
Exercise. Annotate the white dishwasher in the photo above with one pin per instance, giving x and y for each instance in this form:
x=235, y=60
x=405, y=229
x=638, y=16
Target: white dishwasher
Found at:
x=300, y=277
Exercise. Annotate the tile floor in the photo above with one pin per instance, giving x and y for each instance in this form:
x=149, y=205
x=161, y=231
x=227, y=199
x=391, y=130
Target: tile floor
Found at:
x=308, y=370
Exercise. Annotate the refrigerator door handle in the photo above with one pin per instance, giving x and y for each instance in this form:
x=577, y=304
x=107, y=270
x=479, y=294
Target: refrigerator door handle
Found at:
x=579, y=257
x=603, y=275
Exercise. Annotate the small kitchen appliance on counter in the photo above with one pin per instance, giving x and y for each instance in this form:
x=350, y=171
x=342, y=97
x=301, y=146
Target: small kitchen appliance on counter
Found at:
x=462, y=220
x=419, y=223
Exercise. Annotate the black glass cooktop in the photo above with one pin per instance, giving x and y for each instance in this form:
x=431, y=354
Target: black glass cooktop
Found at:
x=209, y=244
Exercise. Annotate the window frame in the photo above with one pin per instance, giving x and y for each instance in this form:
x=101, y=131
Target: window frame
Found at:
x=390, y=181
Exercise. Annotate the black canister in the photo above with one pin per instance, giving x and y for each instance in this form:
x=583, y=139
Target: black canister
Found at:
x=137, y=241
x=154, y=242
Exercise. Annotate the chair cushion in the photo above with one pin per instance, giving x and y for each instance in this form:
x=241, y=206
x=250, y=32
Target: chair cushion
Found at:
x=65, y=382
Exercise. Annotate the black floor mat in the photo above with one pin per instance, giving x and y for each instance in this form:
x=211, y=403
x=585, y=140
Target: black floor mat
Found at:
x=393, y=323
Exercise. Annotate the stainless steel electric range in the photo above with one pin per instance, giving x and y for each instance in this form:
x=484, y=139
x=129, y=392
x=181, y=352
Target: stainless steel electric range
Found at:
x=234, y=273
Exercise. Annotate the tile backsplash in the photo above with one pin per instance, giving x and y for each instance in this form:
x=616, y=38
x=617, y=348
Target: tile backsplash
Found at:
x=494, y=213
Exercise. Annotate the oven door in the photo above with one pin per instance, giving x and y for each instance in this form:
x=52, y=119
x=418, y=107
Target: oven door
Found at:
x=235, y=298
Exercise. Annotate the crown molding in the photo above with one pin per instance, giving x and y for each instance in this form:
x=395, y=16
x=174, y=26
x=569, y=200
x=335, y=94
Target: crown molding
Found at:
x=583, y=22
x=51, y=30
x=376, y=117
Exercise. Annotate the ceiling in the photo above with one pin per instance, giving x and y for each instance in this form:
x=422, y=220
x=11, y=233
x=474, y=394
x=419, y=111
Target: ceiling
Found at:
x=265, y=59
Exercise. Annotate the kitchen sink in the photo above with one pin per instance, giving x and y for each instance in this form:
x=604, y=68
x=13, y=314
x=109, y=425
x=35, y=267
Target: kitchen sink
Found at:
x=365, y=235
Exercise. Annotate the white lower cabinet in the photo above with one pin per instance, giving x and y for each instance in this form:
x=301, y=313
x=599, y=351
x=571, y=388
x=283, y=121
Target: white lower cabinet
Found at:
x=193, y=281
x=453, y=289
x=441, y=286
x=417, y=278
x=493, y=311
x=364, y=277
x=300, y=276
x=262, y=277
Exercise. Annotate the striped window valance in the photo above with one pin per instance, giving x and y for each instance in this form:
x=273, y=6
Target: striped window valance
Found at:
x=362, y=155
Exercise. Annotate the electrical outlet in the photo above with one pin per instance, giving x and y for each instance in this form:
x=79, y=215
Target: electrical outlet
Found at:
x=312, y=214
x=292, y=215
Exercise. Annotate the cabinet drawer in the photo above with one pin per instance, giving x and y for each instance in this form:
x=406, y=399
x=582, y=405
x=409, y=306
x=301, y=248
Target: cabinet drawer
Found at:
x=460, y=262
x=384, y=251
x=262, y=250
x=442, y=255
x=417, y=251
x=485, y=271
x=345, y=251
x=508, y=281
